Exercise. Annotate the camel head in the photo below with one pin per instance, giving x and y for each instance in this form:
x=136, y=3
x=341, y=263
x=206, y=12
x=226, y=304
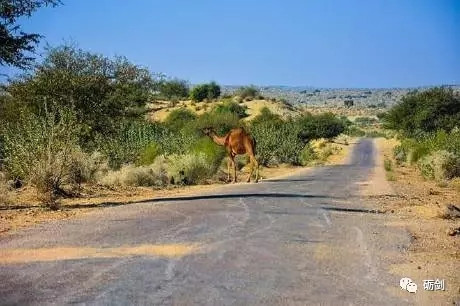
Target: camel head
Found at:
x=208, y=131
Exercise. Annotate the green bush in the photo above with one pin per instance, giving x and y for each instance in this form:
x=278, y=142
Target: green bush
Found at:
x=387, y=164
x=231, y=107
x=131, y=139
x=425, y=111
x=354, y=131
x=440, y=165
x=189, y=169
x=321, y=126
x=222, y=122
x=213, y=153
x=399, y=154
x=174, y=89
x=101, y=91
x=149, y=154
x=307, y=155
x=277, y=142
x=365, y=121
x=208, y=91
x=42, y=151
x=247, y=92
x=178, y=118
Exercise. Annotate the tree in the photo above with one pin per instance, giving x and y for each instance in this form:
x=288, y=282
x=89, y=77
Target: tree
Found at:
x=174, y=88
x=102, y=91
x=326, y=125
x=425, y=111
x=15, y=45
x=348, y=103
x=208, y=91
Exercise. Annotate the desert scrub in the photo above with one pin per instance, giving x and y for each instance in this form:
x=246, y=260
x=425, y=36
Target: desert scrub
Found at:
x=455, y=183
x=440, y=165
x=5, y=198
x=399, y=154
x=388, y=164
x=42, y=151
x=189, y=169
x=213, y=153
x=148, y=154
x=130, y=175
x=307, y=155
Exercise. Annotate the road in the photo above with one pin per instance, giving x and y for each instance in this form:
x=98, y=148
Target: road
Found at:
x=304, y=239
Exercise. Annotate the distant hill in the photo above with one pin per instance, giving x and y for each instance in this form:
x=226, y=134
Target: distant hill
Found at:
x=311, y=96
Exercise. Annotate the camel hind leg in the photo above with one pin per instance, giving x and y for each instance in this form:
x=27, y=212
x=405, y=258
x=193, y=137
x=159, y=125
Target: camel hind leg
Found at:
x=253, y=164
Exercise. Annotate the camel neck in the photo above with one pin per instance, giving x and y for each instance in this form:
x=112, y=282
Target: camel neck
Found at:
x=219, y=140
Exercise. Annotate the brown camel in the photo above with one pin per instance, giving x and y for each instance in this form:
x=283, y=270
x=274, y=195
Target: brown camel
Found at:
x=237, y=141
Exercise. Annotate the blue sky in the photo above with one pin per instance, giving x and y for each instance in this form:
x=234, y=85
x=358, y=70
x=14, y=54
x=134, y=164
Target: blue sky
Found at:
x=322, y=43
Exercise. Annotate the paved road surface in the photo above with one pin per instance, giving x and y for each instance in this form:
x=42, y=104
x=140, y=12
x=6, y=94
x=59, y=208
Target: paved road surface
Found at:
x=305, y=239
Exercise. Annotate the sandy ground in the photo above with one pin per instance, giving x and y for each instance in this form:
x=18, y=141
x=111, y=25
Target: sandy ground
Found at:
x=419, y=207
x=161, y=109
x=26, y=210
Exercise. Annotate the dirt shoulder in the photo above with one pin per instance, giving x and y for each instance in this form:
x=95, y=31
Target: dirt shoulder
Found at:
x=27, y=211
x=420, y=207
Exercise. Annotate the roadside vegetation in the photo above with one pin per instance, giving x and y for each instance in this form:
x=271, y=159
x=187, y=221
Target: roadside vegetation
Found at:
x=428, y=126
x=81, y=119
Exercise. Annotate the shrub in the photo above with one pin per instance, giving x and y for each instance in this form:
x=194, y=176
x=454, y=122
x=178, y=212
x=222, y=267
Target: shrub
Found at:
x=321, y=126
x=425, y=111
x=5, y=198
x=354, y=131
x=130, y=175
x=440, y=165
x=266, y=115
x=41, y=150
x=213, y=153
x=174, y=89
x=130, y=140
x=221, y=122
x=375, y=134
x=149, y=154
x=387, y=164
x=231, y=107
x=87, y=168
x=189, y=169
x=100, y=90
x=307, y=155
x=399, y=154
x=247, y=92
x=178, y=118
x=277, y=141
x=208, y=91
x=365, y=121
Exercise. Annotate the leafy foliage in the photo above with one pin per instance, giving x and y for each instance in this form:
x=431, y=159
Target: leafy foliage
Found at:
x=174, y=89
x=321, y=126
x=100, y=90
x=425, y=111
x=231, y=107
x=15, y=45
x=208, y=91
x=178, y=118
x=247, y=92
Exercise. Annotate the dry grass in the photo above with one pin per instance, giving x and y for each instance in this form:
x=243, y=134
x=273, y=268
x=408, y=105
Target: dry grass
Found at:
x=420, y=207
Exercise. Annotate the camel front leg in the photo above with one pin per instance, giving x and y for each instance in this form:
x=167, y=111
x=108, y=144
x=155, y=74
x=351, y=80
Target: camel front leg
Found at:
x=229, y=161
x=251, y=170
x=234, y=169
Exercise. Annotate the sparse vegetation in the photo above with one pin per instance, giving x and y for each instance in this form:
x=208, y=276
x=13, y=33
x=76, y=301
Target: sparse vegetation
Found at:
x=247, y=92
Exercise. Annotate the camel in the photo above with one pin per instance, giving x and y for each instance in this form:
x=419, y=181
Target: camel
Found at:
x=236, y=142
